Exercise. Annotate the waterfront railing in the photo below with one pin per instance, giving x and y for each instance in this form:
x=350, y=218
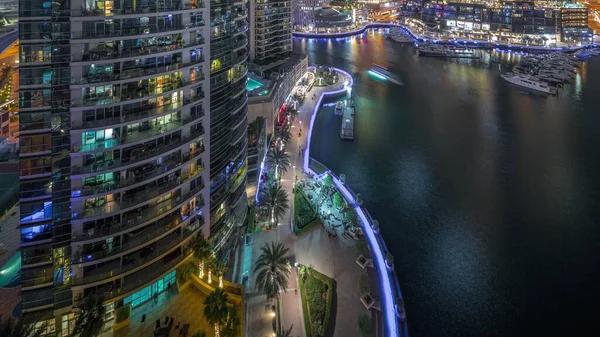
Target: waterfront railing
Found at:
x=391, y=297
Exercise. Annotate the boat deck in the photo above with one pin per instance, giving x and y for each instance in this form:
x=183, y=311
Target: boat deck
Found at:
x=347, y=131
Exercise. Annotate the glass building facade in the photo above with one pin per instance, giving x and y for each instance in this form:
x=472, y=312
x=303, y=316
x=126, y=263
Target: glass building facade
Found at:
x=119, y=171
x=270, y=32
x=229, y=115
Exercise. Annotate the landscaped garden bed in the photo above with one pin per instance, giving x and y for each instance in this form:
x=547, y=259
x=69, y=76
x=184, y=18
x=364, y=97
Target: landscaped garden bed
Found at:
x=316, y=291
x=304, y=213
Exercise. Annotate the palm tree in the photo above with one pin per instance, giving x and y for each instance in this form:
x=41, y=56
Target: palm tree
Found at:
x=215, y=309
x=273, y=267
x=274, y=202
x=90, y=321
x=279, y=159
x=231, y=328
x=17, y=328
x=285, y=333
x=283, y=135
x=203, y=252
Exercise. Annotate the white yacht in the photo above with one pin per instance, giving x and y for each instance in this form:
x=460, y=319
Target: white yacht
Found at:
x=529, y=82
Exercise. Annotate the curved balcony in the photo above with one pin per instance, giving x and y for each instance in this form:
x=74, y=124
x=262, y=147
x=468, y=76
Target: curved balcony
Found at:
x=145, y=31
x=148, y=236
x=102, y=53
x=136, y=221
x=139, y=73
x=140, y=259
x=130, y=95
x=118, y=207
x=136, y=159
x=135, y=11
x=131, y=115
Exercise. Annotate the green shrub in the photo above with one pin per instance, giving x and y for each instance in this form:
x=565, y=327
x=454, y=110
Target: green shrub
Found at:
x=338, y=200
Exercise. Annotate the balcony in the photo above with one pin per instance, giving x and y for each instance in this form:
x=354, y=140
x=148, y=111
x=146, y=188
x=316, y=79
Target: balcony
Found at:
x=134, y=220
x=140, y=71
x=130, y=115
x=134, y=260
x=131, y=10
x=143, y=277
x=94, y=208
x=129, y=139
x=134, y=31
x=105, y=53
x=145, y=153
x=150, y=212
x=132, y=92
x=145, y=236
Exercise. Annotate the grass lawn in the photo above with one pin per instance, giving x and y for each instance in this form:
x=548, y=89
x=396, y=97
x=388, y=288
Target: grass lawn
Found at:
x=316, y=292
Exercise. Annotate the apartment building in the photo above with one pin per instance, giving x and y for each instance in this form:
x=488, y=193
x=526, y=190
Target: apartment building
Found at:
x=131, y=145
x=270, y=32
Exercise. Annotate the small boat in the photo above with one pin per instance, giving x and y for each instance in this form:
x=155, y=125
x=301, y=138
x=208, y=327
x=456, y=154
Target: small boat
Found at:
x=383, y=73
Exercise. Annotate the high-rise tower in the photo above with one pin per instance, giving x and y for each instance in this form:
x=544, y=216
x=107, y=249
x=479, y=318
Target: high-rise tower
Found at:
x=270, y=32
x=119, y=103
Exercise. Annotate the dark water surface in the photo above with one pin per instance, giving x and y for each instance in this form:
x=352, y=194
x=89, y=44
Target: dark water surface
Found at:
x=489, y=199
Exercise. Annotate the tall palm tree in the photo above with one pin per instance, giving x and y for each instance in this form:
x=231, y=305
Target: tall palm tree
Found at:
x=215, y=309
x=203, y=252
x=90, y=321
x=231, y=328
x=17, y=328
x=273, y=268
x=279, y=159
x=274, y=202
x=285, y=333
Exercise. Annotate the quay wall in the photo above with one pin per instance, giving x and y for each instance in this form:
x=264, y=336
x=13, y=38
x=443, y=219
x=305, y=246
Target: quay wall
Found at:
x=394, y=319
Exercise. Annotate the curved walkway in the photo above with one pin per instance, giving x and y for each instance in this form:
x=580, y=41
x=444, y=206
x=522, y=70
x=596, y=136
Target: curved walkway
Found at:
x=390, y=290
x=474, y=43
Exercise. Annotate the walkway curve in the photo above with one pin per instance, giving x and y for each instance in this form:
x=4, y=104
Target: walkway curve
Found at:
x=473, y=43
x=389, y=283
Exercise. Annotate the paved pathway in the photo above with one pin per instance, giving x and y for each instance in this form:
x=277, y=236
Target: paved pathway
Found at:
x=326, y=254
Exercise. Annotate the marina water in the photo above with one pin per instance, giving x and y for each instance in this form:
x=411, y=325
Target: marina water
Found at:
x=488, y=197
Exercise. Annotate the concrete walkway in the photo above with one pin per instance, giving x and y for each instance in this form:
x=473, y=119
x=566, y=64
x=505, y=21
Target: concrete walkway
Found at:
x=326, y=254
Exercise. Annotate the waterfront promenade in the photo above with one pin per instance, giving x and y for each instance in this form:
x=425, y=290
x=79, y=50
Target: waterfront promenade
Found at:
x=474, y=43
x=331, y=256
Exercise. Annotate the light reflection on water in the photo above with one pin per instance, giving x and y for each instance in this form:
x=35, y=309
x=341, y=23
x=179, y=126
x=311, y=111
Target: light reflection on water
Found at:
x=487, y=197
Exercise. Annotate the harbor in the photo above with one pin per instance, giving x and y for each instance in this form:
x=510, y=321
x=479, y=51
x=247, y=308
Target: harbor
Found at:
x=547, y=73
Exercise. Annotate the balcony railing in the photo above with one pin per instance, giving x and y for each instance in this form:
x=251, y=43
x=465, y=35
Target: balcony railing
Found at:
x=128, y=10
x=167, y=244
x=149, y=233
x=143, y=277
x=131, y=138
x=137, y=72
x=148, y=213
x=129, y=201
x=140, y=30
x=110, y=164
x=164, y=167
x=130, y=115
x=99, y=54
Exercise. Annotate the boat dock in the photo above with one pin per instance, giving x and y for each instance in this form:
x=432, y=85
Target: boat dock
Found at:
x=347, y=131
